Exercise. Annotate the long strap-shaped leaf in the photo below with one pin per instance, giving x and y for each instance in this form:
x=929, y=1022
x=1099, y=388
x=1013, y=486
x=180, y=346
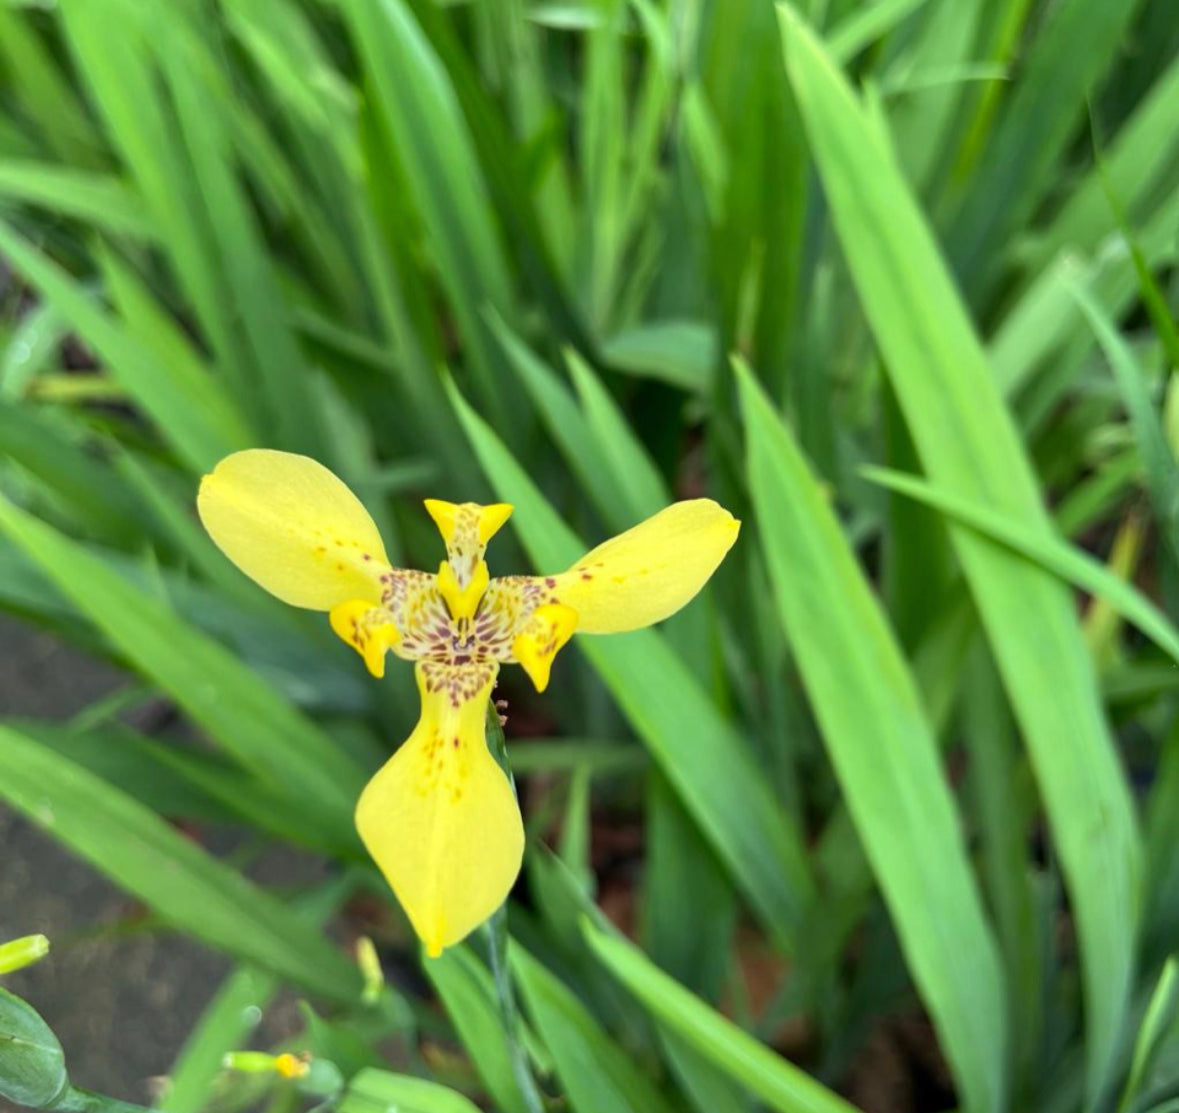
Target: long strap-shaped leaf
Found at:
x=239, y=709
x=1066, y=561
x=884, y=753
x=774, y=1080
x=137, y=850
x=669, y=709
x=967, y=443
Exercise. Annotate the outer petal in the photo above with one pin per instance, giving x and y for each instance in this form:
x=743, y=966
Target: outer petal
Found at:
x=290, y=525
x=649, y=572
x=440, y=818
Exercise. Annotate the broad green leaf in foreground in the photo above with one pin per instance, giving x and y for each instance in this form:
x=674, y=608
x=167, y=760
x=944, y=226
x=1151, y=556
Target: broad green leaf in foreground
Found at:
x=703, y=757
x=776, y=1081
x=192, y=891
x=884, y=752
x=32, y=1065
x=967, y=442
x=240, y=710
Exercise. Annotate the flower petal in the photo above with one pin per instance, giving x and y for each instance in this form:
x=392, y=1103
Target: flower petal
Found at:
x=551, y=626
x=370, y=630
x=294, y=528
x=649, y=572
x=440, y=819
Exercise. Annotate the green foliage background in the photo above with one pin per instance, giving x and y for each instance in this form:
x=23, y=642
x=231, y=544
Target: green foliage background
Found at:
x=894, y=281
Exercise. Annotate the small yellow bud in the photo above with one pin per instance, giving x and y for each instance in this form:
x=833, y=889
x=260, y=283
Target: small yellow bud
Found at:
x=285, y=1065
x=370, y=969
x=22, y=952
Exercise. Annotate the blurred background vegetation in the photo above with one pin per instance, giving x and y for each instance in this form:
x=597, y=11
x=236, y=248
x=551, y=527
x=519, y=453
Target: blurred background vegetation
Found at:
x=896, y=802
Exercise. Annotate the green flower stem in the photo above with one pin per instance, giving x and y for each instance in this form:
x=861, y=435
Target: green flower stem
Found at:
x=497, y=938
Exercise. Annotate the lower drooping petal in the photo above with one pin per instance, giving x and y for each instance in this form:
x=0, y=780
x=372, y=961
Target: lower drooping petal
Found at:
x=440, y=818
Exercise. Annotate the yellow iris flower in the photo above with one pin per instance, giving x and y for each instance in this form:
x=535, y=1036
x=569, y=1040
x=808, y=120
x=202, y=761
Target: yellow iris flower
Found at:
x=440, y=818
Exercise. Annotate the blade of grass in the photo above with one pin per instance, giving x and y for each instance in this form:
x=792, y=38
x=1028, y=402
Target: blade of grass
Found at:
x=776, y=1081
x=432, y=139
x=884, y=752
x=100, y=200
x=237, y=1008
x=225, y=1025
x=236, y=707
x=967, y=442
x=1071, y=564
x=277, y=369
x=1158, y=461
x=140, y=852
x=468, y=995
x=865, y=24
x=679, y=353
x=1066, y=58
x=41, y=443
x=122, y=82
x=189, y=408
x=686, y=735
x=597, y=1074
x=379, y=1091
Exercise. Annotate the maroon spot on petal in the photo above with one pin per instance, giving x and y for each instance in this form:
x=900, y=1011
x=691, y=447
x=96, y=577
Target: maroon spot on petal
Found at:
x=456, y=743
x=550, y=581
x=586, y=576
x=367, y=556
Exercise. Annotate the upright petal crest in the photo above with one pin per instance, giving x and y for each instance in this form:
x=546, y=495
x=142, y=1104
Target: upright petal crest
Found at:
x=294, y=528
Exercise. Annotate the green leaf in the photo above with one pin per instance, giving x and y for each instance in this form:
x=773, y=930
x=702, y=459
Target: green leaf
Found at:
x=83, y=481
x=1071, y=564
x=191, y=411
x=225, y=1025
x=379, y=1091
x=32, y=1064
x=682, y=728
x=884, y=753
x=236, y=707
x=597, y=1074
x=967, y=442
x=1075, y=44
x=276, y=370
x=1156, y=1021
x=776, y=1081
x=467, y=992
x=680, y=353
x=1158, y=461
x=130, y=844
x=97, y=199
x=428, y=129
